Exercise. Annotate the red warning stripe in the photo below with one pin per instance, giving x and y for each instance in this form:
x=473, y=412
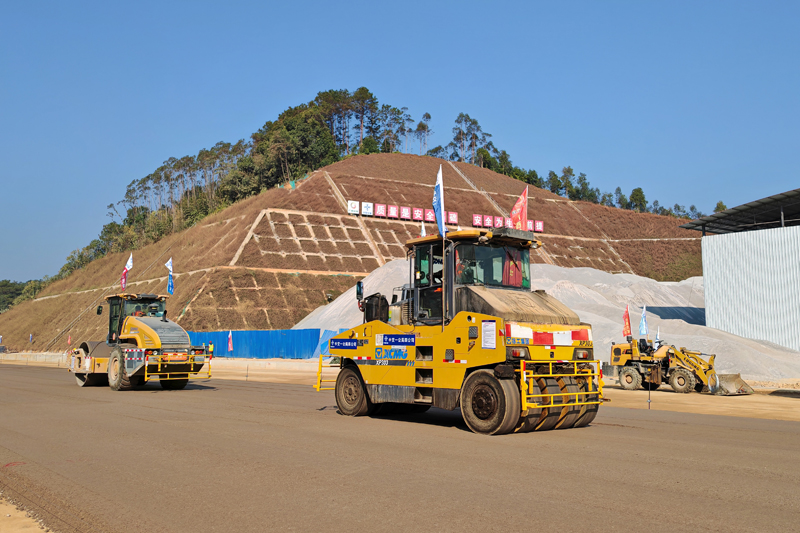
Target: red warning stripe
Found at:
x=362, y=358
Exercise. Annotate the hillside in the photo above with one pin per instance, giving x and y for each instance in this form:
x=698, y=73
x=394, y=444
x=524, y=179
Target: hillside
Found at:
x=266, y=262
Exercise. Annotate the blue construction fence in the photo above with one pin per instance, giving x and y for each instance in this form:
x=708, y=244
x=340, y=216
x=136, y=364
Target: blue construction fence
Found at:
x=268, y=344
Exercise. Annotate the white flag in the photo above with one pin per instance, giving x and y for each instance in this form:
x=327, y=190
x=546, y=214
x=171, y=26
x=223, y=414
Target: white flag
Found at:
x=129, y=264
x=643, y=322
x=168, y=264
x=422, y=231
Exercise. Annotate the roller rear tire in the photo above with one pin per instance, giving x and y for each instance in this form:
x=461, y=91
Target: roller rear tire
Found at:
x=569, y=414
x=550, y=415
x=588, y=412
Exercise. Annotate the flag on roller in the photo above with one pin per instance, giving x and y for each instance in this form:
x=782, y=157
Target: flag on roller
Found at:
x=519, y=213
x=643, y=322
x=626, y=323
x=128, y=267
x=438, y=202
x=170, y=285
x=230, y=341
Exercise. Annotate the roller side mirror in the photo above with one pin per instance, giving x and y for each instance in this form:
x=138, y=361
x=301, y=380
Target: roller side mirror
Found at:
x=360, y=291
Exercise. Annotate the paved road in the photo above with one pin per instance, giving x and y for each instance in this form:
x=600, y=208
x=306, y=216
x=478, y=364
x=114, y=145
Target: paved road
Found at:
x=233, y=456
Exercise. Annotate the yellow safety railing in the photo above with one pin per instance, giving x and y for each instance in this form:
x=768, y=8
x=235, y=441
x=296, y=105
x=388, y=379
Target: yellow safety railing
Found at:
x=163, y=363
x=528, y=377
x=320, y=382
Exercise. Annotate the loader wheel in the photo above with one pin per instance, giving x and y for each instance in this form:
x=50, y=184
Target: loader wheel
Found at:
x=117, y=376
x=629, y=378
x=351, y=398
x=700, y=387
x=569, y=414
x=646, y=385
x=490, y=406
x=173, y=384
x=550, y=415
x=588, y=412
x=682, y=381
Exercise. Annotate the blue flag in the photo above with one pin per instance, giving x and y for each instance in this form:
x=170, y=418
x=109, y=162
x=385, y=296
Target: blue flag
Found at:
x=170, y=286
x=643, y=322
x=438, y=202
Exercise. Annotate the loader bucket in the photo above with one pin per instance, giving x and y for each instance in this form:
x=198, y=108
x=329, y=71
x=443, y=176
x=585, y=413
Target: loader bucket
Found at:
x=732, y=385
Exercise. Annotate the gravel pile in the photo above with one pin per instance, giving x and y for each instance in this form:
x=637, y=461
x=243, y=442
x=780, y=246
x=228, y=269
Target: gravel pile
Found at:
x=599, y=298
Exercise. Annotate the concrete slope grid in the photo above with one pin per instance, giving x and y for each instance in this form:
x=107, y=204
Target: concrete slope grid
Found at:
x=268, y=261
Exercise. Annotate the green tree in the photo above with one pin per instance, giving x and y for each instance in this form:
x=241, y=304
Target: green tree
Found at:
x=554, y=183
x=620, y=199
x=637, y=201
x=720, y=207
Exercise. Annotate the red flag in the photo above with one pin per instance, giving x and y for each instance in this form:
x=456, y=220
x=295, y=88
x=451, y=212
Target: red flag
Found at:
x=626, y=326
x=519, y=213
x=69, y=340
x=230, y=340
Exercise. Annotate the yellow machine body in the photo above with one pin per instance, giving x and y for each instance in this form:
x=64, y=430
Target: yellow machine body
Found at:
x=142, y=344
x=672, y=364
x=411, y=361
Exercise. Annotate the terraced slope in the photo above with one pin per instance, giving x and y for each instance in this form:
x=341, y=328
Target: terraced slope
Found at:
x=268, y=261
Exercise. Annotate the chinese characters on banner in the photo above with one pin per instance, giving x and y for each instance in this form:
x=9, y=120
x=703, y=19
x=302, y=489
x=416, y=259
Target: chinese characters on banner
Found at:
x=420, y=214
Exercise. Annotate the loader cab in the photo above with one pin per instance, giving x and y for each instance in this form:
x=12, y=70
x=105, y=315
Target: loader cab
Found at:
x=122, y=306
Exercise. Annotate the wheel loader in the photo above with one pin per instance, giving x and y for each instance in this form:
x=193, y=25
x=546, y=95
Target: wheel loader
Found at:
x=637, y=363
x=141, y=345
x=468, y=332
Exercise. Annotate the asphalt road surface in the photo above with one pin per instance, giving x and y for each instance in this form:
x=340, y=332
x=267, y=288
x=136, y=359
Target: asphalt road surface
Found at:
x=236, y=456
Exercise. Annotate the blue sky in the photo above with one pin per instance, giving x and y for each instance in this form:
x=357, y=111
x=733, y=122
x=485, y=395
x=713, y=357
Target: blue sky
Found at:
x=694, y=102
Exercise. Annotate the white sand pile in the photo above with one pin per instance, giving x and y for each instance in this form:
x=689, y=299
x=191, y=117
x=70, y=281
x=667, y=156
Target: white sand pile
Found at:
x=600, y=298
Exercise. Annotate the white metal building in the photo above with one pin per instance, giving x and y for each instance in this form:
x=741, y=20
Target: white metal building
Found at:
x=751, y=269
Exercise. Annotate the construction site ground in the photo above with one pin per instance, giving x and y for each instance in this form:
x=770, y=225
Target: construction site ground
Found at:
x=235, y=455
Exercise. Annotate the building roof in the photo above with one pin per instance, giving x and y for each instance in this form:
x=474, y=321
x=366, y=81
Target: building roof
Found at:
x=775, y=211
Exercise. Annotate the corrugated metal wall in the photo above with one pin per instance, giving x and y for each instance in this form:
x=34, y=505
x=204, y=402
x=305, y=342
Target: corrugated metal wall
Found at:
x=752, y=284
x=262, y=344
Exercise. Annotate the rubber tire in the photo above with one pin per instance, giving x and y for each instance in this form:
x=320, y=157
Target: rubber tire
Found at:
x=682, y=381
x=529, y=423
x=588, y=412
x=118, y=379
x=646, y=385
x=569, y=415
x=700, y=387
x=173, y=384
x=504, y=412
x=550, y=415
x=351, y=397
x=629, y=378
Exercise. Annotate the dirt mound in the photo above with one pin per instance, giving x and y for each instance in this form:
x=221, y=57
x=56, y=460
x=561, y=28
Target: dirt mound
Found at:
x=673, y=309
x=231, y=267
